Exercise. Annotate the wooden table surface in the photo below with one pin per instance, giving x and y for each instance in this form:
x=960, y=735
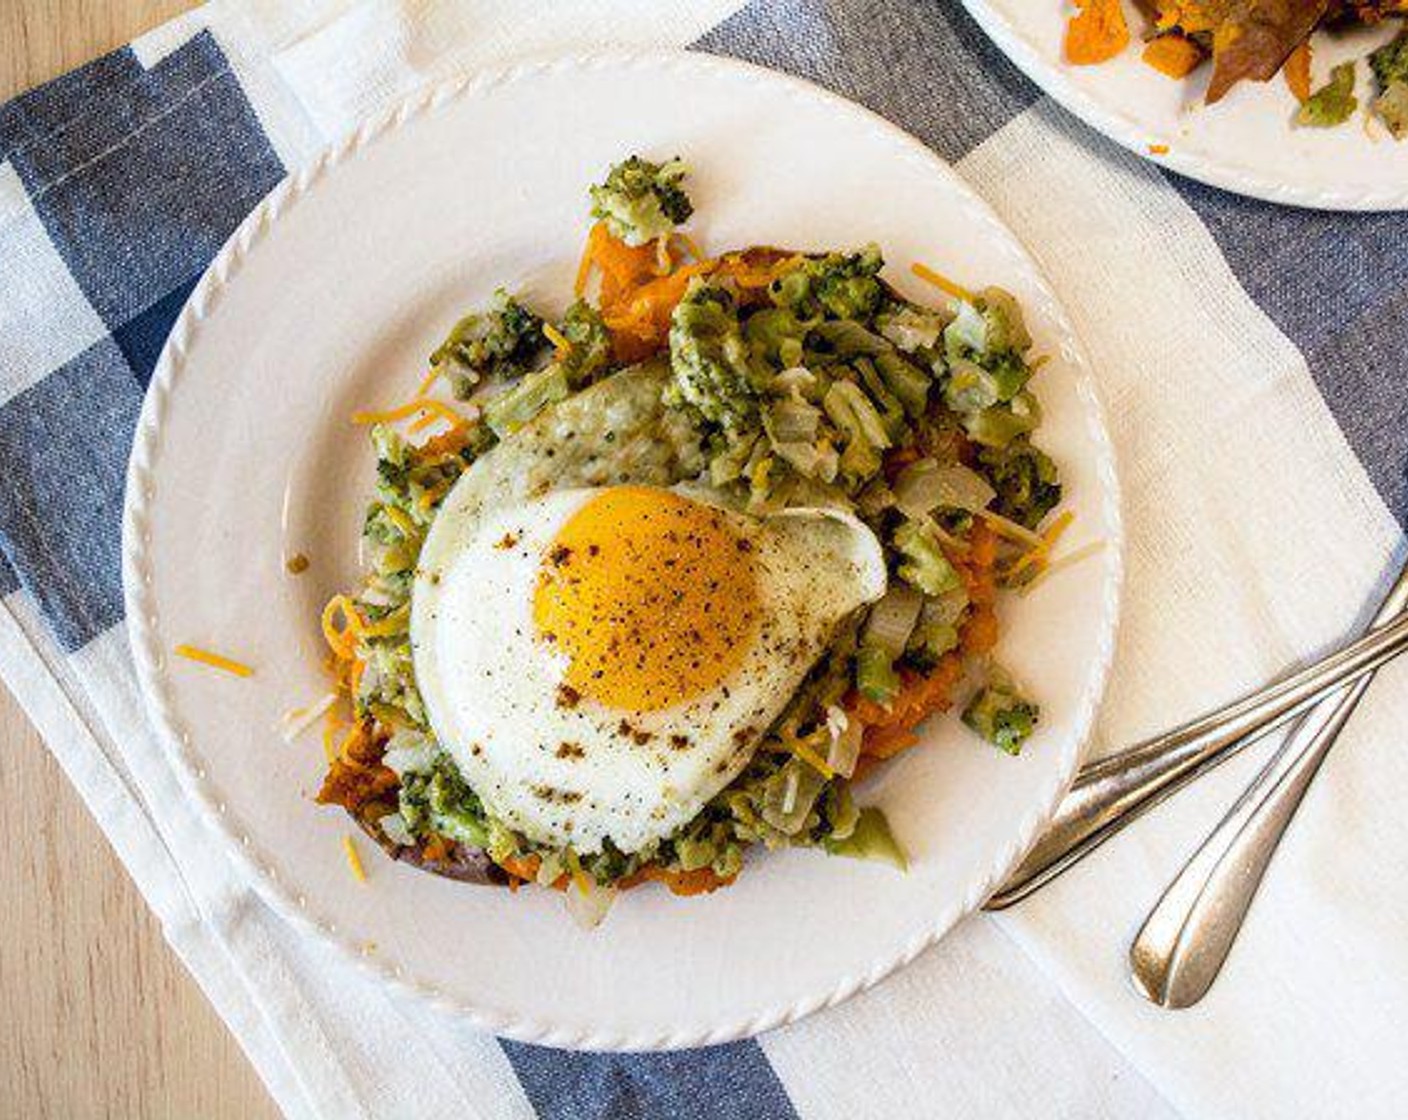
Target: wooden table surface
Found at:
x=100, y=1018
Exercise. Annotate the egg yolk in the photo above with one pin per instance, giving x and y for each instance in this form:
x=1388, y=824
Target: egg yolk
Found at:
x=652, y=597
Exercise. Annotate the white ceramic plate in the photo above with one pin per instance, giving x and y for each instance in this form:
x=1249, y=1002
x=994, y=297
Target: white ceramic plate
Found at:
x=328, y=299
x=1245, y=143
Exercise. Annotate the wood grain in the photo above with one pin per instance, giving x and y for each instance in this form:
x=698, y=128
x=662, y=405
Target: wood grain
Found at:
x=99, y=1017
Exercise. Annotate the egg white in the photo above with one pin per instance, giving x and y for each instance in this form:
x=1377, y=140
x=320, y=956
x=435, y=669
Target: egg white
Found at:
x=577, y=774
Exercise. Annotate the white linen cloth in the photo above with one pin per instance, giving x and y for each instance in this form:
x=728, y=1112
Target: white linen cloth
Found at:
x=1255, y=538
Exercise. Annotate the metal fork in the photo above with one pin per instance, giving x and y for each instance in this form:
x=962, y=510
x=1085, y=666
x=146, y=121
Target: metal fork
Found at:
x=1110, y=793
x=1183, y=943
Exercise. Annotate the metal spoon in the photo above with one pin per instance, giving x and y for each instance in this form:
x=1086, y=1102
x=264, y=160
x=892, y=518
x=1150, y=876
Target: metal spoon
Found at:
x=1181, y=946
x=1110, y=793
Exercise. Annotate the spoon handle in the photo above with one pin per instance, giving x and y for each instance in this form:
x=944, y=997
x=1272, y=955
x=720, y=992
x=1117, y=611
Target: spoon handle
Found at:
x=1186, y=938
x=1111, y=792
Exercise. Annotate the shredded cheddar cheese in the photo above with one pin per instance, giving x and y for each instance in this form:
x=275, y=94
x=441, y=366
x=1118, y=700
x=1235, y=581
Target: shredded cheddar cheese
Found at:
x=1039, y=553
x=812, y=759
x=410, y=408
x=1082, y=553
x=561, y=343
x=1010, y=529
x=214, y=660
x=430, y=379
x=401, y=520
x=330, y=730
x=943, y=283
x=342, y=640
x=354, y=861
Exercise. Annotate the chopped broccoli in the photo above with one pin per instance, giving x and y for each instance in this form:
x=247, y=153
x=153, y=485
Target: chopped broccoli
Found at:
x=776, y=335
x=1391, y=107
x=1027, y=484
x=590, y=351
x=500, y=343
x=1000, y=424
x=936, y=631
x=843, y=285
x=846, y=338
x=1390, y=62
x=925, y=566
x=911, y=327
x=641, y=201
x=888, y=405
x=872, y=839
x=441, y=801
x=514, y=407
x=970, y=388
x=862, y=426
x=1390, y=66
x=1333, y=103
x=876, y=678
x=990, y=326
x=1001, y=716
x=1006, y=329
x=906, y=381
x=710, y=360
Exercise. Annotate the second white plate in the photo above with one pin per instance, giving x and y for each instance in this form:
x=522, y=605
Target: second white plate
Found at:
x=328, y=299
x=1246, y=143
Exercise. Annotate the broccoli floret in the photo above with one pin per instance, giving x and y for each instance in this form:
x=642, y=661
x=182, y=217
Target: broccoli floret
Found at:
x=500, y=343
x=925, y=566
x=1001, y=716
x=991, y=326
x=710, y=358
x=641, y=201
x=590, y=351
x=1026, y=480
x=842, y=285
x=1333, y=103
x=1390, y=66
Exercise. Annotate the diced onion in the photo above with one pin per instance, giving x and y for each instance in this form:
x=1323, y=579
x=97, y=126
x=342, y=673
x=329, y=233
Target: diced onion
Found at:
x=924, y=486
x=589, y=907
x=846, y=734
x=892, y=619
x=793, y=421
x=789, y=797
x=794, y=379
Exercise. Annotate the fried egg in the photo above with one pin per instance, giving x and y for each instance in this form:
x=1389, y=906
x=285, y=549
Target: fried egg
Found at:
x=600, y=662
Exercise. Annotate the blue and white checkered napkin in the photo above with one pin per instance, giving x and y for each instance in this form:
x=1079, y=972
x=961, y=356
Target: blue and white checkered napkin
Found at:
x=1254, y=360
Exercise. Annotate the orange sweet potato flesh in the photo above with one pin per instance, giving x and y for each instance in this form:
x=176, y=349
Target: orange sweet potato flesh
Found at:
x=1097, y=32
x=1296, y=71
x=1173, y=55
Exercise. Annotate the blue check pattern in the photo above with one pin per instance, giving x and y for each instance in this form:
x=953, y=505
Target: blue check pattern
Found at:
x=126, y=180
